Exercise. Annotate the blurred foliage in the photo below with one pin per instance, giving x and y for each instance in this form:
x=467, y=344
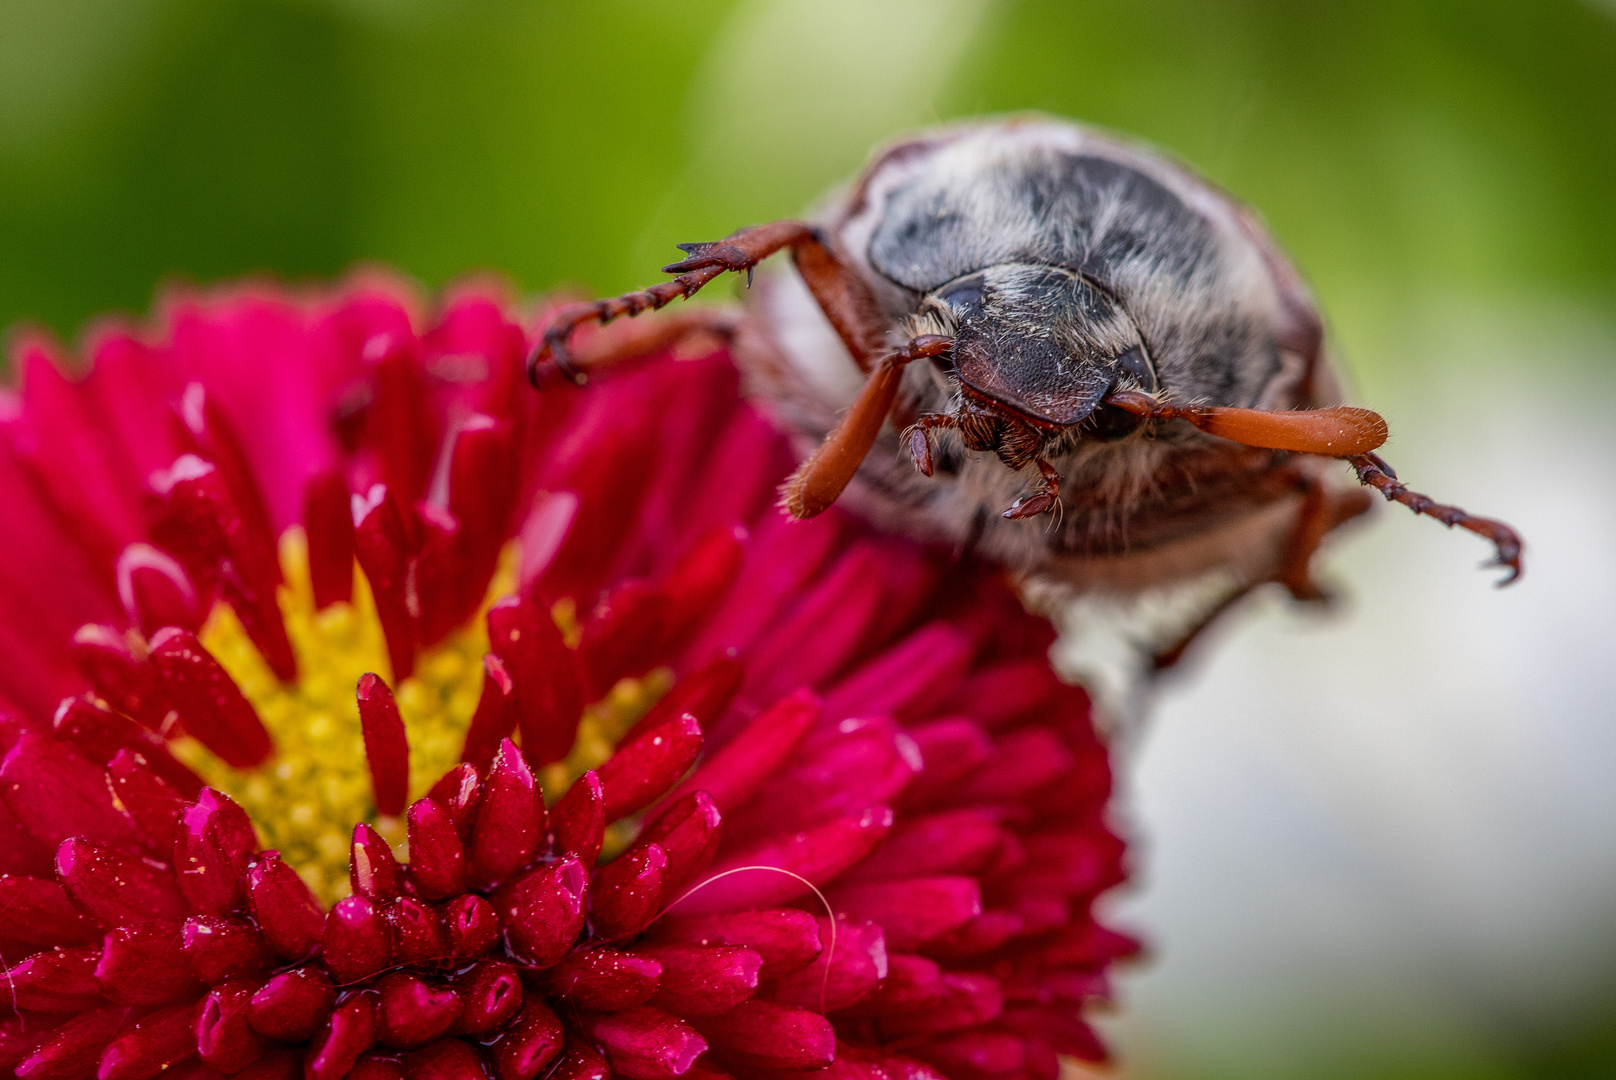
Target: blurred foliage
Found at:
x=1401, y=149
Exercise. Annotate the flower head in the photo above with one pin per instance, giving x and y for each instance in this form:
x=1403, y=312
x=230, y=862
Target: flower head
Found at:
x=594, y=763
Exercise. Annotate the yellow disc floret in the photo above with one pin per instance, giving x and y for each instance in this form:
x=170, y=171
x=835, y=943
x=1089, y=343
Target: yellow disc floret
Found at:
x=306, y=799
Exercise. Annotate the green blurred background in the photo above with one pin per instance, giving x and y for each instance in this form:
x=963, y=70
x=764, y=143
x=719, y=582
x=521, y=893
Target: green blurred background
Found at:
x=1443, y=172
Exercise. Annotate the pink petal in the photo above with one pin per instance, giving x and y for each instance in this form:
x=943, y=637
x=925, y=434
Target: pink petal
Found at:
x=605, y=979
x=976, y=1053
x=357, y=942
x=349, y=1031
x=911, y=983
x=700, y=580
x=702, y=980
x=643, y=770
x=529, y=1044
x=704, y=693
x=103, y=657
x=1023, y=762
x=579, y=1062
x=909, y=680
x=208, y=699
x=72, y=1050
x=473, y=925
x=825, y=628
x=220, y=947
x=328, y=522
x=858, y=764
x=579, y=819
x=966, y=1001
x=35, y=911
x=413, y=1014
x=437, y=860
x=447, y=1059
x=954, y=841
x=372, y=870
x=150, y=801
x=381, y=544
x=225, y=1039
x=784, y=938
x=212, y=843
x=739, y=770
x=951, y=749
x=286, y=912
x=817, y=855
x=545, y=674
x=626, y=893
x=57, y=793
x=101, y=735
x=152, y=1045
x=55, y=981
x=459, y=791
x=197, y=519
x=291, y=1006
x=419, y=934
x=542, y=912
x=492, y=994
x=913, y=911
x=495, y=717
x=645, y=1043
x=835, y=981
x=113, y=887
x=768, y=1035
x=483, y=474
x=688, y=831
x=510, y=820
x=386, y=748
x=143, y=964
x=620, y=636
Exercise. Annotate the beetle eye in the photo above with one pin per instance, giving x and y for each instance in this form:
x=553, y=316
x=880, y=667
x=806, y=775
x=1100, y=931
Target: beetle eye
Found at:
x=1134, y=364
x=964, y=295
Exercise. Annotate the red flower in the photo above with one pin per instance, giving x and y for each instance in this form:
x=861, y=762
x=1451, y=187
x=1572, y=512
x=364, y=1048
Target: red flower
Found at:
x=648, y=760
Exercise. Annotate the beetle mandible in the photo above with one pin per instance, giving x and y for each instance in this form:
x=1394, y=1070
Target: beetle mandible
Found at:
x=1112, y=342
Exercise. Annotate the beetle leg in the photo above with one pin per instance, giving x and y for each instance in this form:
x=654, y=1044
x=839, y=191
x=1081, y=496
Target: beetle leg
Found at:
x=641, y=338
x=1042, y=501
x=843, y=296
x=821, y=479
x=919, y=438
x=1375, y=473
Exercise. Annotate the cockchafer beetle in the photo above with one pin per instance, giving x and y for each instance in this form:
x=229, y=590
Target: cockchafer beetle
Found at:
x=1112, y=341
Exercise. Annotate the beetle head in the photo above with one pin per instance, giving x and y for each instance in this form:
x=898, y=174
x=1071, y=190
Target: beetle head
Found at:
x=1042, y=341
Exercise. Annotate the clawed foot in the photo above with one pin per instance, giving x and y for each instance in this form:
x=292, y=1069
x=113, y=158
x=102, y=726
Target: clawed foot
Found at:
x=1039, y=502
x=719, y=253
x=1042, y=501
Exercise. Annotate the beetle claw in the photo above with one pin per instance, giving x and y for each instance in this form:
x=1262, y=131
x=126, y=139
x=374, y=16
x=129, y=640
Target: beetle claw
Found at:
x=1040, y=502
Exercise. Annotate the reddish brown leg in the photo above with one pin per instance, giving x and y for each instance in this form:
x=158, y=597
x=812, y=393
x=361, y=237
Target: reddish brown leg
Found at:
x=919, y=437
x=1042, y=501
x=642, y=337
x=1375, y=473
x=846, y=301
x=821, y=479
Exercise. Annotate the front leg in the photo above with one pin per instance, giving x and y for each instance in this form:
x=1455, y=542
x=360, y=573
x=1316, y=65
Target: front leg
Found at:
x=1042, y=501
x=820, y=480
x=843, y=296
x=1375, y=473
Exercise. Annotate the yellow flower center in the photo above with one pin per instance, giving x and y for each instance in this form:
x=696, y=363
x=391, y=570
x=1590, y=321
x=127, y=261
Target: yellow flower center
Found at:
x=306, y=799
